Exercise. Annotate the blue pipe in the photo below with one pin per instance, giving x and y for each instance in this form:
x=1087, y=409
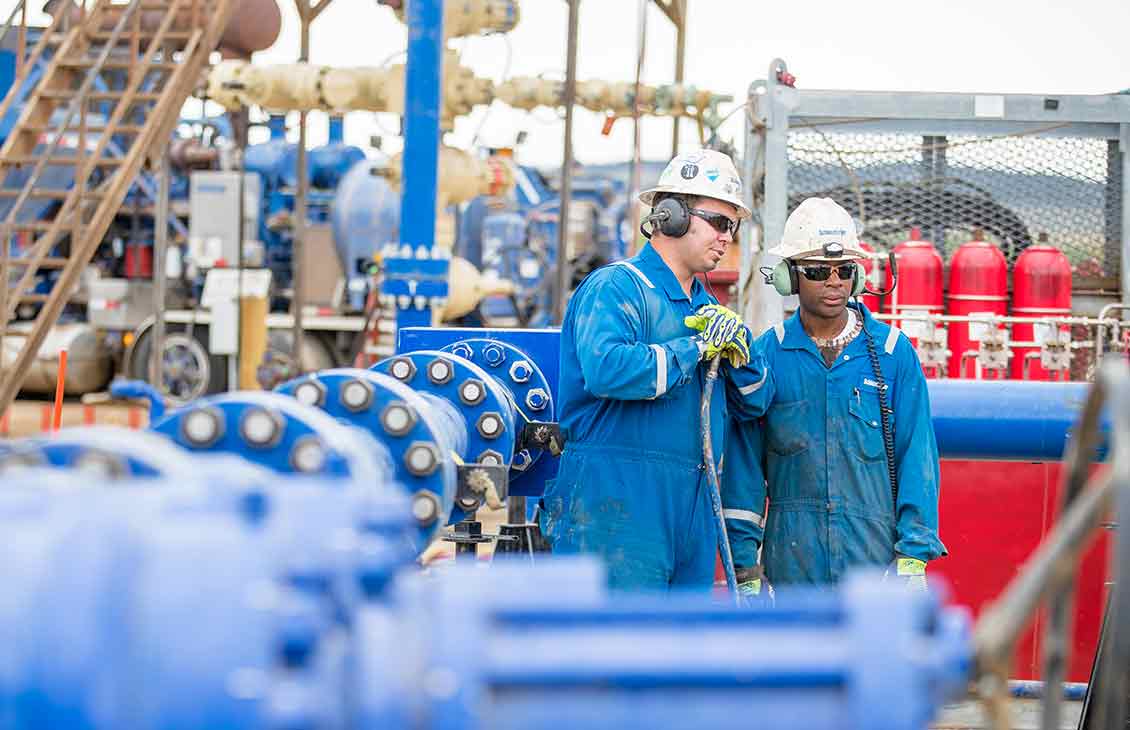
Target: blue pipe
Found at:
x=420, y=165
x=1006, y=419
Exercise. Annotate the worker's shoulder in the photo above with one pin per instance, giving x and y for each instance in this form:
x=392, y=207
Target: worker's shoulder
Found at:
x=622, y=275
x=770, y=340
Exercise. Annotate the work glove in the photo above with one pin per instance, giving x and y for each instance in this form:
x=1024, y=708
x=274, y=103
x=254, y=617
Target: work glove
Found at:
x=911, y=572
x=721, y=331
x=753, y=588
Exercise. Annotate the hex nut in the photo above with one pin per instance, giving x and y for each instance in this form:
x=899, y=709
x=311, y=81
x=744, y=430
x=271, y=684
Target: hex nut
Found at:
x=202, y=427
x=440, y=371
x=537, y=399
x=311, y=392
x=403, y=369
x=398, y=418
x=494, y=354
x=490, y=457
x=425, y=507
x=490, y=425
x=521, y=371
x=463, y=350
x=421, y=458
x=356, y=395
x=472, y=391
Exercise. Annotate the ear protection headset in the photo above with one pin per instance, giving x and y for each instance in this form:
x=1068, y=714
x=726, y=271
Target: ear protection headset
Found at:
x=784, y=278
x=670, y=216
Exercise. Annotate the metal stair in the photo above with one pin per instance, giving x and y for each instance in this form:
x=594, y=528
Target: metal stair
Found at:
x=133, y=76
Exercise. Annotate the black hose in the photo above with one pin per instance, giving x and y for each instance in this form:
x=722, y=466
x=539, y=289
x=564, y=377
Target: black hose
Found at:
x=885, y=419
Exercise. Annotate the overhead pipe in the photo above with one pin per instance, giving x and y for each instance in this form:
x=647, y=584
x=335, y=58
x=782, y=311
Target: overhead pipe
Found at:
x=283, y=87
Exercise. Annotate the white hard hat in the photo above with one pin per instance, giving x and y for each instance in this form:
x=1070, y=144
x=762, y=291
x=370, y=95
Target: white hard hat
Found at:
x=820, y=230
x=703, y=173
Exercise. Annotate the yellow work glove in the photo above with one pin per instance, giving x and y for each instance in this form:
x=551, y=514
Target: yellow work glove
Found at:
x=753, y=589
x=911, y=572
x=722, y=331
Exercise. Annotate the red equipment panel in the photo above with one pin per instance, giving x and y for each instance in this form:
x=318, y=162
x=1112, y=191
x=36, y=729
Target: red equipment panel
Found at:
x=993, y=515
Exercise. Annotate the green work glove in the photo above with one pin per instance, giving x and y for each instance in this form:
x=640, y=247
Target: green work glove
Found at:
x=911, y=572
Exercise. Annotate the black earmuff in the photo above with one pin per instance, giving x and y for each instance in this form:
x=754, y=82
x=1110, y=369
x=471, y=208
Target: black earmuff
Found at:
x=670, y=216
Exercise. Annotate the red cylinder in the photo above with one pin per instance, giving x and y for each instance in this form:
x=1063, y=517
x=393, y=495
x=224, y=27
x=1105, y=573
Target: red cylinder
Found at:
x=871, y=301
x=1041, y=286
x=919, y=287
x=139, y=261
x=978, y=285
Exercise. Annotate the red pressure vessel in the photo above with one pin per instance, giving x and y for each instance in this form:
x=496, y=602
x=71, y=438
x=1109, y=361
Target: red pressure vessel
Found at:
x=978, y=285
x=871, y=301
x=1041, y=286
x=919, y=287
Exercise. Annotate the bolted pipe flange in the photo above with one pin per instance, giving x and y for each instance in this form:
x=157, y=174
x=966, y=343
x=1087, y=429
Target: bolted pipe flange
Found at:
x=521, y=371
x=356, y=395
x=490, y=425
x=421, y=458
x=311, y=392
x=537, y=399
x=398, y=418
x=494, y=354
x=403, y=369
x=472, y=391
x=440, y=371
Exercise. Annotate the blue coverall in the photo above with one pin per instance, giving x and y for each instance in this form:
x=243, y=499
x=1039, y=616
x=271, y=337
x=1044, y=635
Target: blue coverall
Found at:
x=820, y=445
x=631, y=486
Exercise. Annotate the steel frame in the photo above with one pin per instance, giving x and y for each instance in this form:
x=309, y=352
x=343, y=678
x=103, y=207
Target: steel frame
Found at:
x=773, y=108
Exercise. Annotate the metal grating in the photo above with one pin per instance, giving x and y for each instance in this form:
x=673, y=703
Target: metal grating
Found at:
x=1016, y=189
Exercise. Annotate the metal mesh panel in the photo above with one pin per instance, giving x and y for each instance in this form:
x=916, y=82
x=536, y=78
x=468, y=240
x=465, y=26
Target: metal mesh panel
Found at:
x=1016, y=189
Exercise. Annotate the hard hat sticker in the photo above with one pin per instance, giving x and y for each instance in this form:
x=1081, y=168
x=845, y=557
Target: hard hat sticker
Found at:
x=689, y=171
x=712, y=173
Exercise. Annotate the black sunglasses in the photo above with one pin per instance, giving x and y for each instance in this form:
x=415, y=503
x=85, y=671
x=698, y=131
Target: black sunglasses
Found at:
x=717, y=221
x=823, y=272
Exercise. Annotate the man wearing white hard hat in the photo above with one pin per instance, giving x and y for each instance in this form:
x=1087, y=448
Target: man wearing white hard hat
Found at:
x=845, y=455
x=631, y=484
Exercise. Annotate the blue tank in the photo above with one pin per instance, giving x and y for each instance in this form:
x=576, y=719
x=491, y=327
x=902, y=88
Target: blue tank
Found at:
x=365, y=215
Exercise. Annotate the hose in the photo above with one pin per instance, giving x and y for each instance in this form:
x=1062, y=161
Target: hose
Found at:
x=712, y=481
x=885, y=418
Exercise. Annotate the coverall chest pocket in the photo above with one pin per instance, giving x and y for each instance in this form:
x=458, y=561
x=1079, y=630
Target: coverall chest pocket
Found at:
x=788, y=427
x=865, y=425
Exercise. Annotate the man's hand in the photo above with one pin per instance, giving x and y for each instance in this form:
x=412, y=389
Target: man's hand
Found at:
x=722, y=331
x=911, y=572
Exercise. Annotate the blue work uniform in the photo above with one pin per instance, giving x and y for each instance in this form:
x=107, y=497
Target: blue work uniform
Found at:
x=819, y=457
x=631, y=486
